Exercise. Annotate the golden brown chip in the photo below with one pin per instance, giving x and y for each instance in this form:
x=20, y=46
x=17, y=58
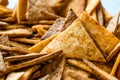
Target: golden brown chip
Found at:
x=77, y=5
x=4, y=2
x=100, y=16
x=91, y=5
x=21, y=10
x=14, y=75
x=98, y=72
x=105, y=40
x=82, y=45
x=113, y=24
x=116, y=64
x=17, y=33
x=39, y=10
x=39, y=46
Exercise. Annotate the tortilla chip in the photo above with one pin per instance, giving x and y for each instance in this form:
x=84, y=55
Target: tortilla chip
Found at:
x=25, y=40
x=16, y=44
x=79, y=64
x=28, y=72
x=4, y=40
x=118, y=72
x=100, y=16
x=98, y=72
x=14, y=75
x=91, y=5
x=3, y=24
x=39, y=10
x=116, y=64
x=39, y=46
x=77, y=5
x=49, y=22
x=17, y=33
x=57, y=5
x=4, y=10
x=4, y=2
x=105, y=40
x=56, y=27
x=113, y=53
x=66, y=75
x=118, y=32
x=21, y=10
x=77, y=76
x=71, y=16
x=94, y=15
x=113, y=24
x=2, y=64
x=57, y=74
x=82, y=45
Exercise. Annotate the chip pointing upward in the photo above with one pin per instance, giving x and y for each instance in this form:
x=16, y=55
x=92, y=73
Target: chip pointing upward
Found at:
x=75, y=43
x=105, y=40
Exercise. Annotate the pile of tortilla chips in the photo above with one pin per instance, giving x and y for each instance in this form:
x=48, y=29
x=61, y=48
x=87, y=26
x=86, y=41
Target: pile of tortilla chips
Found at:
x=59, y=40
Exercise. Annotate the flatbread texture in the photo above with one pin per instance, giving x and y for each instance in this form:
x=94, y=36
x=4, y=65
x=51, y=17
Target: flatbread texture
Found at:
x=82, y=45
x=21, y=10
x=39, y=10
x=113, y=24
x=91, y=5
x=104, y=39
x=77, y=5
x=56, y=27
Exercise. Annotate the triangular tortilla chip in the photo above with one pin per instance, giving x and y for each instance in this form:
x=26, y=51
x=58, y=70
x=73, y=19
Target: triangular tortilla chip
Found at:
x=39, y=10
x=91, y=5
x=77, y=5
x=113, y=24
x=75, y=43
x=105, y=40
x=39, y=46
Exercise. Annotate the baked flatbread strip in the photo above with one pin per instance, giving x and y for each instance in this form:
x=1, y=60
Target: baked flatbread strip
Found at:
x=39, y=10
x=77, y=5
x=79, y=64
x=13, y=49
x=98, y=72
x=71, y=16
x=30, y=63
x=77, y=76
x=91, y=5
x=28, y=72
x=2, y=64
x=60, y=24
x=23, y=57
x=17, y=33
x=113, y=24
x=113, y=53
x=21, y=10
x=118, y=72
x=115, y=66
x=57, y=74
x=104, y=39
x=56, y=27
x=100, y=15
x=2, y=24
x=82, y=45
